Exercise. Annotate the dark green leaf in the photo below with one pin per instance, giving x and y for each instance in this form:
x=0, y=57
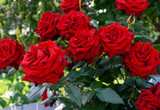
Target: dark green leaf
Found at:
x=129, y=81
x=156, y=46
x=11, y=72
x=75, y=94
x=96, y=84
x=36, y=92
x=72, y=75
x=140, y=82
x=87, y=96
x=149, y=11
x=109, y=95
x=2, y=102
x=116, y=60
x=80, y=63
x=18, y=86
x=68, y=102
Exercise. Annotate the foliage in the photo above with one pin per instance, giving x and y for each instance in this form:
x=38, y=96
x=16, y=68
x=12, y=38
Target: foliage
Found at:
x=103, y=85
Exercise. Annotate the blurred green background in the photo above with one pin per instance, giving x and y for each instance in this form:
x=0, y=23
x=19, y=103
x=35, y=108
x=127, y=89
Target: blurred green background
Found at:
x=26, y=13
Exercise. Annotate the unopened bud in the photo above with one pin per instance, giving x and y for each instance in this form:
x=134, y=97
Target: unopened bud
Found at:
x=131, y=20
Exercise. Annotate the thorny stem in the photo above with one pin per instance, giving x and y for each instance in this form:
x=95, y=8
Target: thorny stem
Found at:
x=129, y=25
x=25, y=44
x=125, y=72
x=64, y=80
x=80, y=5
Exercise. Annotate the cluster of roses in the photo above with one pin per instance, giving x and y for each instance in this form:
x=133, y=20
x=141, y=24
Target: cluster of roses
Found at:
x=45, y=62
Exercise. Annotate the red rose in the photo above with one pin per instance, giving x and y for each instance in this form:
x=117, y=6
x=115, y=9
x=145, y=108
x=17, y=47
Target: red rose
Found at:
x=47, y=26
x=44, y=63
x=44, y=97
x=132, y=7
x=85, y=45
x=142, y=60
x=70, y=23
x=115, y=39
x=149, y=99
x=11, y=53
x=69, y=5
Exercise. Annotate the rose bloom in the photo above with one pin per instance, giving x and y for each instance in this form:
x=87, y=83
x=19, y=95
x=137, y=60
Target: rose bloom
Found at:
x=149, y=99
x=47, y=26
x=85, y=45
x=115, y=39
x=142, y=60
x=44, y=63
x=132, y=7
x=44, y=97
x=70, y=23
x=69, y=5
x=11, y=53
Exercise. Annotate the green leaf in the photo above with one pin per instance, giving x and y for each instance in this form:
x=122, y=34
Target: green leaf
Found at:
x=36, y=92
x=109, y=95
x=72, y=75
x=140, y=82
x=80, y=63
x=116, y=60
x=17, y=96
x=68, y=102
x=87, y=96
x=144, y=37
x=148, y=11
x=18, y=86
x=2, y=102
x=75, y=94
x=129, y=81
x=96, y=84
x=11, y=72
x=156, y=46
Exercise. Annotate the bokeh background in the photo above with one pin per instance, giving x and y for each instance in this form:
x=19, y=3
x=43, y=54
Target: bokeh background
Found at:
x=25, y=14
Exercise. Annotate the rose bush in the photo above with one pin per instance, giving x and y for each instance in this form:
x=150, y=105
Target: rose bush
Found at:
x=92, y=63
